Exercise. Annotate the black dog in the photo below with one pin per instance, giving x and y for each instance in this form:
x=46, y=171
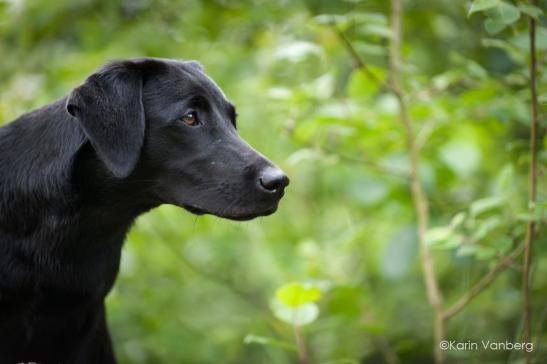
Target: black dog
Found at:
x=76, y=173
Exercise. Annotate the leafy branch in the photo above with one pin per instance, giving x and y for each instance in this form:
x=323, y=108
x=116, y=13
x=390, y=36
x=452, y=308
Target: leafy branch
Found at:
x=414, y=145
x=483, y=283
x=360, y=63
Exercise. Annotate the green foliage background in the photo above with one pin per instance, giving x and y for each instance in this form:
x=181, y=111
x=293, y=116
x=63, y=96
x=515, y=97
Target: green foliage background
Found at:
x=191, y=289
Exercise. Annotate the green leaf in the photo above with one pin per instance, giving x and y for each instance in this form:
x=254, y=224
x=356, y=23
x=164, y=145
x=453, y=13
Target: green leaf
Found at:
x=485, y=252
x=541, y=38
x=447, y=79
x=466, y=250
x=527, y=216
x=370, y=49
x=370, y=18
x=531, y=10
x=503, y=244
x=300, y=316
x=295, y=294
x=486, y=227
x=262, y=340
x=508, y=13
x=505, y=178
x=297, y=51
x=485, y=204
x=379, y=30
x=493, y=26
x=457, y=220
x=478, y=251
x=361, y=85
x=452, y=242
x=437, y=235
x=499, y=43
x=481, y=5
x=513, y=51
x=330, y=19
x=462, y=156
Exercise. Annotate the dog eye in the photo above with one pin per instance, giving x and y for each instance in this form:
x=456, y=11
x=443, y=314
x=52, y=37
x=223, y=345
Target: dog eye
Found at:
x=190, y=119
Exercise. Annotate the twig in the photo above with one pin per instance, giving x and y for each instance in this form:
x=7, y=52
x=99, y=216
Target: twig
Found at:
x=420, y=200
x=483, y=283
x=532, y=191
x=360, y=62
x=302, y=354
x=384, y=169
x=380, y=168
x=515, y=266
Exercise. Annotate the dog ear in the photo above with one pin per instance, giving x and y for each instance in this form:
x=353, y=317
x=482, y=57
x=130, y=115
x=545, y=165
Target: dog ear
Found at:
x=109, y=107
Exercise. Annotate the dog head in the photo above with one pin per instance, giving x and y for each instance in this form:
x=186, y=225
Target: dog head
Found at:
x=168, y=122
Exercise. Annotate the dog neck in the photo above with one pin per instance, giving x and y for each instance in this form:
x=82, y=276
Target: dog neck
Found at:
x=58, y=192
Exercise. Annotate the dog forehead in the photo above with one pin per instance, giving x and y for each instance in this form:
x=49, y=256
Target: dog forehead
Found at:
x=194, y=75
x=171, y=79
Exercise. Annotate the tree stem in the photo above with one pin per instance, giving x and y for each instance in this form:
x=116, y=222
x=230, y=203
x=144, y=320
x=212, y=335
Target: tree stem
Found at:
x=418, y=195
x=532, y=190
x=302, y=354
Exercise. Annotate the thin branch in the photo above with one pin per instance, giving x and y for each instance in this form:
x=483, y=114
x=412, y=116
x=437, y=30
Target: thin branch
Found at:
x=515, y=266
x=302, y=354
x=380, y=168
x=383, y=169
x=359, y=61
x=419, y=197
x=483, y=283
x=361, y=64
x=532, y=190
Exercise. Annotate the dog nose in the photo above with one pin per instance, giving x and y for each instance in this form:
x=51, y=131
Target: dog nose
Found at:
x=273, y=179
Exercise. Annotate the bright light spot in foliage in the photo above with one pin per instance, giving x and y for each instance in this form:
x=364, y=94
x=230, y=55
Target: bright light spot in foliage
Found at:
x=296, y=294
x=294, y=303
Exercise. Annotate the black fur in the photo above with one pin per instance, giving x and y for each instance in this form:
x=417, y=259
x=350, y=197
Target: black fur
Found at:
x=76, y=173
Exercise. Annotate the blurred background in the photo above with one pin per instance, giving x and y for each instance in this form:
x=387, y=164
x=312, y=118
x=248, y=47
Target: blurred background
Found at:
x=309, y=80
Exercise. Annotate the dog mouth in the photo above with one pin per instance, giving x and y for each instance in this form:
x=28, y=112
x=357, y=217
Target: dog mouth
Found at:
x=249, y=216
x=194, y=210
x=237, y=215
